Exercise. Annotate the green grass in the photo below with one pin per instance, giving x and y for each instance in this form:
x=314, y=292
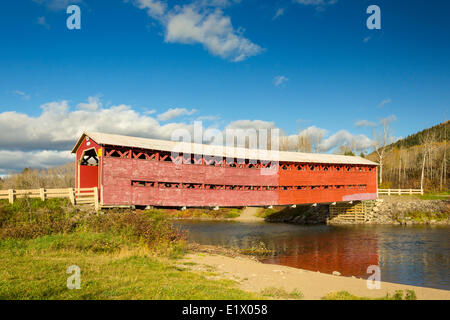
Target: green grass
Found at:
x=280, y=293
x=110, y=269
x=435, y=196
x=426, y=196
x=426, y=216
x=122, y=254
x=398, y=295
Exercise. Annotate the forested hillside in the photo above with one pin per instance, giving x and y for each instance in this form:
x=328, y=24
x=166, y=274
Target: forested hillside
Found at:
x=419, y=159
x=439, y=132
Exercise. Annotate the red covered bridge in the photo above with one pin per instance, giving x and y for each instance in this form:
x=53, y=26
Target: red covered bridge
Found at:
x=138, y=171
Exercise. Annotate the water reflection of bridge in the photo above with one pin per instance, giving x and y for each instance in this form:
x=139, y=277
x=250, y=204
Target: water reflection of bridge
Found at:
x=323, y=253
x=316, y=251
x=414, y=255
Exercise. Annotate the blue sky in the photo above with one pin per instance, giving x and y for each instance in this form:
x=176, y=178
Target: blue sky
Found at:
x=293, y=64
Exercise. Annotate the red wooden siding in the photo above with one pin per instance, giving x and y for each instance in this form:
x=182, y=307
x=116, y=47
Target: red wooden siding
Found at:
x=88, y=177
x=137, y=177
x=119, y=173
x=327, y=183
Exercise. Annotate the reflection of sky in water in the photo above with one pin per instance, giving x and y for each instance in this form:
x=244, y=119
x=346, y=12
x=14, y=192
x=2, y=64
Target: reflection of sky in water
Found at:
x=409, y=255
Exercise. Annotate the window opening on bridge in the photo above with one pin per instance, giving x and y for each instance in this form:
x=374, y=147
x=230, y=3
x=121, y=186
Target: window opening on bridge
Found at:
x=179, y=185
x=89, y=158
x=164, y=156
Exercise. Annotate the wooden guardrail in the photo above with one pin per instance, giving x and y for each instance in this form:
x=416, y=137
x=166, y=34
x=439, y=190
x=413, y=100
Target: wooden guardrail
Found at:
x=76, y=196
x=400, y=191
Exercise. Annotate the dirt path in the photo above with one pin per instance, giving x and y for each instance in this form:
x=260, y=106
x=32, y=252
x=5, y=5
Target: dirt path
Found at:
x=255, y=276
x=249, y=215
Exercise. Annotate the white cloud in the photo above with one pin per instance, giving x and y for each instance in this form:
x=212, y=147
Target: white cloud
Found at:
x=202, y=22
x=12, y=161
x=322, y=142
x=175, y=113
x=212, y=29
x=251, y=124
x=366, y=39
x=386, y=101
x=315, y=136
x=58, y=127
x=365, y=123
x=151, y=111
x=319, y=138
x=93, y=104
x=43, y=22
x=154, y=8
x=344, y=138
x=279, y=80
x=278, y=13
x=313, y=131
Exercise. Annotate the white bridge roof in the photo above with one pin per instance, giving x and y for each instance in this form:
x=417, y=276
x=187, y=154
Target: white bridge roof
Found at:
x=219, y=151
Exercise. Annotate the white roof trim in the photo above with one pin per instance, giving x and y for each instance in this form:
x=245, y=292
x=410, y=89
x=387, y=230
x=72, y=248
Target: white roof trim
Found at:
x=219, y=151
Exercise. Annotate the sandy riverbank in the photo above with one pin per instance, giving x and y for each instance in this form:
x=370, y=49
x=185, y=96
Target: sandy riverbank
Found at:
x=254, y=276
x=250, y=214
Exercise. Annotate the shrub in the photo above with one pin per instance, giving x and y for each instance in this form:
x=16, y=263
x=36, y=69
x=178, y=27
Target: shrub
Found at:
x=146, y=226
x=32, y=218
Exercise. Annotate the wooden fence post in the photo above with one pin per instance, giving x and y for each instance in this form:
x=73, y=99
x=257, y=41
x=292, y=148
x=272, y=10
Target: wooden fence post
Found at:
x=11, y=196
x=96, y=198
x=42, y=193
x=389, y=192
x=71, y=195
x=421, y=191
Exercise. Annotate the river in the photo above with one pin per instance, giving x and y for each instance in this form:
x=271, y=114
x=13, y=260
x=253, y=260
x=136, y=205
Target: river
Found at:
x=414, y=255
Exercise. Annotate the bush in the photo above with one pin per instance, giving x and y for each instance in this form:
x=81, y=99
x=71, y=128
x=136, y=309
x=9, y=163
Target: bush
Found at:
x=146, y=226
x=32, y=218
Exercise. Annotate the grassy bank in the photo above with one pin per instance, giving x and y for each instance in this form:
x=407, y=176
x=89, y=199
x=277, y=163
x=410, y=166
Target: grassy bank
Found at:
x=121, y=255
x=435, y=196
x=110, y=269
x=421, y=217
